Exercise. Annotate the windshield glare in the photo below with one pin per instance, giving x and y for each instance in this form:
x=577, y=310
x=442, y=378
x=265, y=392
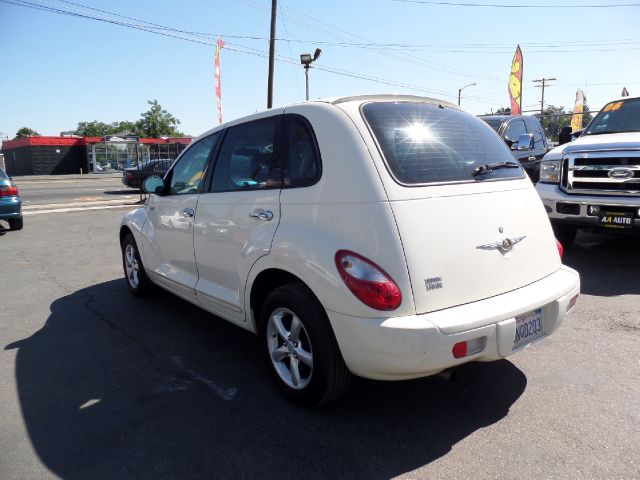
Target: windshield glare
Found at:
x=616, y=117
x=429, y=143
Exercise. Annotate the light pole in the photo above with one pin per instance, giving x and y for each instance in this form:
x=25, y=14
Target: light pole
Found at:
x=460, y=91
x=306, y=59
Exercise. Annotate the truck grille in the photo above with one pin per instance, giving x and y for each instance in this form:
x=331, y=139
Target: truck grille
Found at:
x=591, y=174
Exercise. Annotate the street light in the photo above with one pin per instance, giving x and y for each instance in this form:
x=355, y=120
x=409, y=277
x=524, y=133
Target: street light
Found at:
x=460, y=91
x=306, y=59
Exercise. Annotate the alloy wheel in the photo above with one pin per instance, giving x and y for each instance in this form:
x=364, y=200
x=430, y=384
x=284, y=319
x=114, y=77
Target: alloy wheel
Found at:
x=290, y=348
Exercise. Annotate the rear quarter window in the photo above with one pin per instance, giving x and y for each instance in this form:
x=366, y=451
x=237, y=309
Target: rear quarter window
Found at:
x=424, y=143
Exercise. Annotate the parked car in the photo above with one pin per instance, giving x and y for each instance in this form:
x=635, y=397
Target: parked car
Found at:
x=10, y=202
x=524, y=136
x=391, y=237
x=132, y=177
x=594, y=181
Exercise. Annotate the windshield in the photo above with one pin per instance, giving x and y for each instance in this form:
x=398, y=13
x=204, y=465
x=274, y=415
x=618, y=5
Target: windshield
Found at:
x=492, y=122
x=616, y=117
x=429, y=143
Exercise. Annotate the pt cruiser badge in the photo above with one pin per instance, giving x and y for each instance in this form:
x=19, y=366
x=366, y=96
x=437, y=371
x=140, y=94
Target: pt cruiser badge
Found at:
x=504, y=246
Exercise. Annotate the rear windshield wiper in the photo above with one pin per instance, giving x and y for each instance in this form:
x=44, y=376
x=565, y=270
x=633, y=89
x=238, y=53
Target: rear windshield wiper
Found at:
x=490, y=167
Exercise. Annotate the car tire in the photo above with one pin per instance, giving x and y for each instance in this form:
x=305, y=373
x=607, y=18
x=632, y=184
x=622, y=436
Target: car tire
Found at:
x=134, y=272
x=300, y=348
x=565, y=234
x=16, y=223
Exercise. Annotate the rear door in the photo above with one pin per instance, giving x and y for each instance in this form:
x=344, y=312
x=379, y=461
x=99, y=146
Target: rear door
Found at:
x=238, y=215
x=466, y=237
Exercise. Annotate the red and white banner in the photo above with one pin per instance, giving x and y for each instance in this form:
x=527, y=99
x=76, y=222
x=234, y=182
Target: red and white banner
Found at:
x=216, y=78
x=515, y=83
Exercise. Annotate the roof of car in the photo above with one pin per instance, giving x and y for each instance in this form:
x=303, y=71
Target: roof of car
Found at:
x=336, y=101
x=504, y=117
x=387, y=98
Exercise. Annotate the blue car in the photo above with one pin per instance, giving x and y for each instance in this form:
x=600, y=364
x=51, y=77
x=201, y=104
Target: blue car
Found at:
x=10, y=202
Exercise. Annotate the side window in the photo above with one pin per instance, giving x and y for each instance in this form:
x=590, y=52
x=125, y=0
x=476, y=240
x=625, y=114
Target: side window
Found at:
x=514, y=130
x=301, y=157
x=533, y=126
x=249, y=157
x=188, y=172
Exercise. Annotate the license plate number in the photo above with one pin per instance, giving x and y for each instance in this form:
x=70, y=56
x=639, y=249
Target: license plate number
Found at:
x=528, y=328
x=615, y=220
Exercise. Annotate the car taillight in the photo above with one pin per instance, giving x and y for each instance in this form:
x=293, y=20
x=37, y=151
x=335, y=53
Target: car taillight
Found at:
x=8, y=190
x=560, y=248
x=367, y=281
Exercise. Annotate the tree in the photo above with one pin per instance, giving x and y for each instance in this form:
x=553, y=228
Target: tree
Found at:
x=553, y=119
x=26, y=132
x=157, y=122
x=92, y=129
x=100, y=129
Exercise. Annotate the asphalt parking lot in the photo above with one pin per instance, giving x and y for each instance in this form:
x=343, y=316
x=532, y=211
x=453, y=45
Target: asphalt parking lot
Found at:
x=97, y=384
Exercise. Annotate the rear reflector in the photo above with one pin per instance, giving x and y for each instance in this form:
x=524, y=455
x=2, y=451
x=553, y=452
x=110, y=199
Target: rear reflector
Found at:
x=468, y=347
x=8, y=190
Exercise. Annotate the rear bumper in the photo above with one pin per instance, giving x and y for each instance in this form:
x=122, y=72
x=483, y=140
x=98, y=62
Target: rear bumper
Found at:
x=10, y=207
x=421, y=345
x=557, y=201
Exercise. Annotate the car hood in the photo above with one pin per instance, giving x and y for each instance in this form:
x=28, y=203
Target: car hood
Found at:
x=609, y=142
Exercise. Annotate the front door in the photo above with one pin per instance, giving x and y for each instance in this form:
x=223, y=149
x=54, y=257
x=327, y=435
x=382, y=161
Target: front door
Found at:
x=237, y=217
x=168, y=233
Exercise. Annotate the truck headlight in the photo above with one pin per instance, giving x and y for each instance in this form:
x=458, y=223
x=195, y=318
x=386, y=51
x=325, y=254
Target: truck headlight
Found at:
x=550, y=171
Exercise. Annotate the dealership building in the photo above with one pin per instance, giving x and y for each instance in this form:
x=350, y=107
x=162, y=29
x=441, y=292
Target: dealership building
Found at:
x=71, y=154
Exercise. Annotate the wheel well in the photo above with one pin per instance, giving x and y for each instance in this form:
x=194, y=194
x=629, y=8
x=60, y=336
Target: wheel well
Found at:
x=265, y=283
x=124, y=230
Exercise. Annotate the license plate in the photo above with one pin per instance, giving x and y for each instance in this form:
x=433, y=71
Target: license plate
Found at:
x=528, y=328
x=616, y=220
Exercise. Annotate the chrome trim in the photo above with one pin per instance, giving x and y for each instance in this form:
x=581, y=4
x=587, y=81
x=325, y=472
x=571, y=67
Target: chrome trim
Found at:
x=570, y=183
x=504, y=245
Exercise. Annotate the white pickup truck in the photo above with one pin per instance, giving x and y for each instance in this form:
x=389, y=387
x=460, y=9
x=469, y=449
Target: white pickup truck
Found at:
x=594, y=181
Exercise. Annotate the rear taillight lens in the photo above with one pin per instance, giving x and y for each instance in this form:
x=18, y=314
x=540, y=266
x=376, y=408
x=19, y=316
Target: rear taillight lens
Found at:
x=8, y=190
x=367, y=281
x=560, y=248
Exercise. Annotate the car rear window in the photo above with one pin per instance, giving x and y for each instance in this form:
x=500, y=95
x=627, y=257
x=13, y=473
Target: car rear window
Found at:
x=428, y=143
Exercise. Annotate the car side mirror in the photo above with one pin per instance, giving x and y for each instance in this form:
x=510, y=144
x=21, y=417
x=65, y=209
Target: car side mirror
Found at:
x=153, y=184
x=524, y=143
x=565, y=135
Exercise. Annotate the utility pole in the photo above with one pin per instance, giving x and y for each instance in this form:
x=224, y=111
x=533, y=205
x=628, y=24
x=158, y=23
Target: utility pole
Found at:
x=543, y=81
x=272, y=49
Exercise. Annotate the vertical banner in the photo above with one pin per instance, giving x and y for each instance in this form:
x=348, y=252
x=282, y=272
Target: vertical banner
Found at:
x=216, y=79
x=515, y=83
x=576, y=119
x=625, y=92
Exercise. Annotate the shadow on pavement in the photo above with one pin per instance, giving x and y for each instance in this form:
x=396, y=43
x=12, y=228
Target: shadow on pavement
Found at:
x=608, y=264
x=116, y=387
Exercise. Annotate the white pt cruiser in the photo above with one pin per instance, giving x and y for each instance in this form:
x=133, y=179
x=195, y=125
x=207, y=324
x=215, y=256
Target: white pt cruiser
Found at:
x=391, y=237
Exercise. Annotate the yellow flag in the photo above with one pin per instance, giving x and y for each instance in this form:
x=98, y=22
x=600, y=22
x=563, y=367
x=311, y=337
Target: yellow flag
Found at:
x=576, y=119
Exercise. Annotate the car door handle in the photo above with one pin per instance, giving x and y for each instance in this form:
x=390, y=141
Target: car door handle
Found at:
x=265, y=215
x=188, y=212
x=531, y=159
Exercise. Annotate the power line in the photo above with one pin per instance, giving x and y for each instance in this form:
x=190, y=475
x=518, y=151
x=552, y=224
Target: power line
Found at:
x=503, y=5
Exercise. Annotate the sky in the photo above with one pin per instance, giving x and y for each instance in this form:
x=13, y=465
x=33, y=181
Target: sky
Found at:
x=61, y=69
